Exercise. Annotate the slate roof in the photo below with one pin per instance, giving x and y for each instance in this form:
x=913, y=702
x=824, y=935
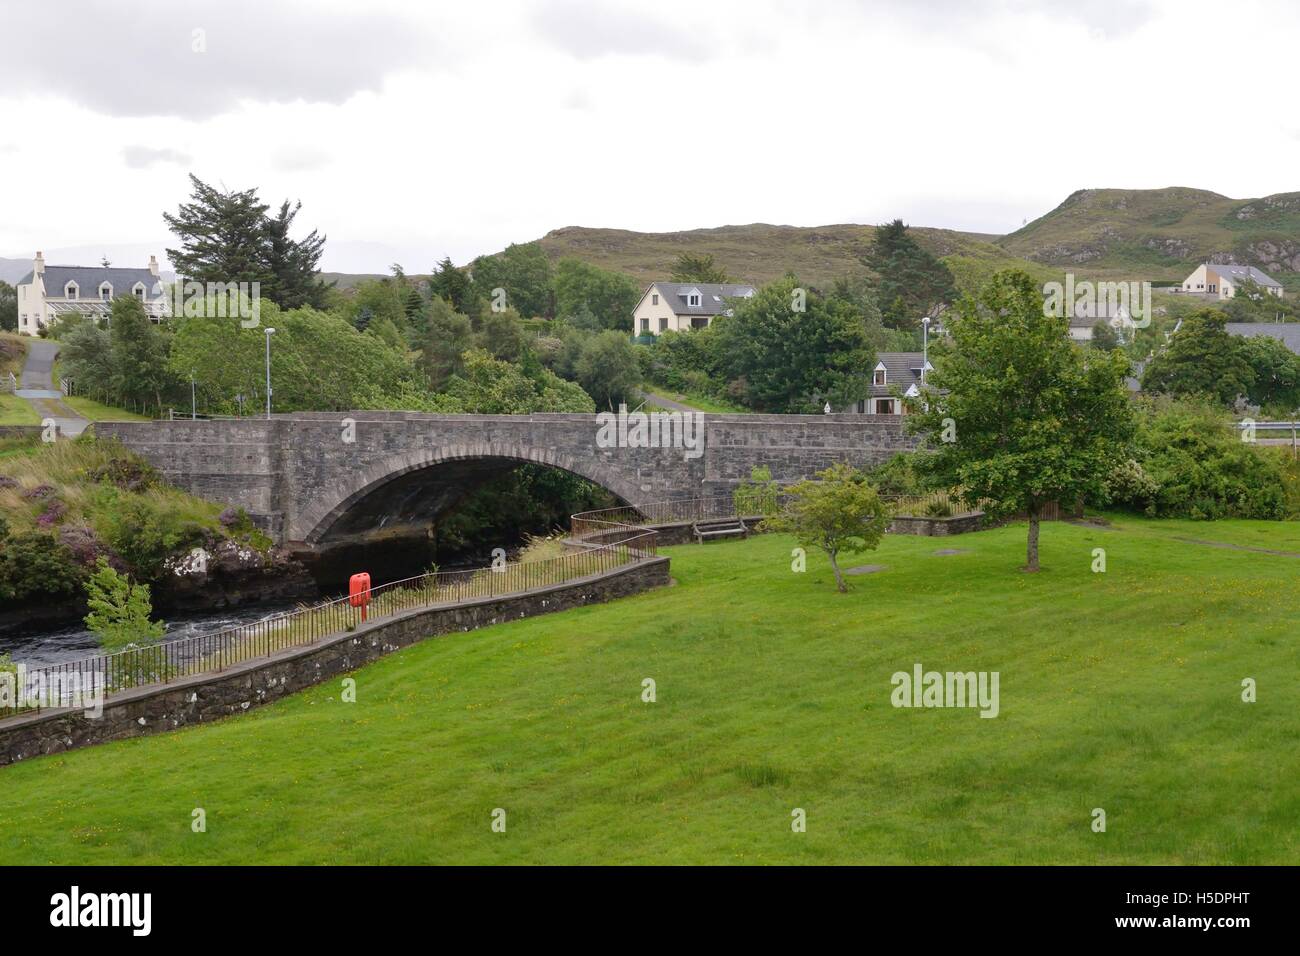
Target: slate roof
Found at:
x=902, y=371
x=88, y=279
x=713, y=296
x=1288, y=333
x=1240, y=273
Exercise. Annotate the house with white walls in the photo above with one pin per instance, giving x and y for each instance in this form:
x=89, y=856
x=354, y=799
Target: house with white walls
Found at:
x=50, y=290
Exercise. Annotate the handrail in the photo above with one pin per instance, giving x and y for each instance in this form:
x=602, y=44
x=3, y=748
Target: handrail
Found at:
x=605, y=546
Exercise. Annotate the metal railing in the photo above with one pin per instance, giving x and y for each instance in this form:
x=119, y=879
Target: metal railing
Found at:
x=604, y=546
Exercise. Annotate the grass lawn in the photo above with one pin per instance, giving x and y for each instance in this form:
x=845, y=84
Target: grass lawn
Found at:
x=1118, y=690
x=17, y=411
x=95, y=411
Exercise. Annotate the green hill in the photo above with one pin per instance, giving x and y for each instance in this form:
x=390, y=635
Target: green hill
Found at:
x=1162, y=234
x=760, y=252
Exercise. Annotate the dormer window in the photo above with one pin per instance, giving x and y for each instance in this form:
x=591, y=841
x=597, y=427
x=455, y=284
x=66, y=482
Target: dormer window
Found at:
x=878, y=377
x=70, y=291
x=693, y=299
x=105, y=291
x=138, y=291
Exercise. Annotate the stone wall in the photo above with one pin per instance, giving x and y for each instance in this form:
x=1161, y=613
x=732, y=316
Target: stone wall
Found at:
x=938, y=526
x=303, y=482
x=207, y=697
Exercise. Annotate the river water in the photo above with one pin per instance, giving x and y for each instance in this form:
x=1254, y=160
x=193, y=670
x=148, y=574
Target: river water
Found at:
x=59, y=645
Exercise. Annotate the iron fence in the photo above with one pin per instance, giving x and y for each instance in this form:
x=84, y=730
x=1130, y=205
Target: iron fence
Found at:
x=605, y=548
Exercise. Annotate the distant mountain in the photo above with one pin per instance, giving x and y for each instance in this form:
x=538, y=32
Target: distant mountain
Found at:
x=11, y=270
x=1161, y=234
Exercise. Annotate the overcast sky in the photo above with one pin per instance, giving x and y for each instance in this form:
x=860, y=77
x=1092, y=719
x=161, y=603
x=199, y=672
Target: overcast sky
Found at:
x=411, y=131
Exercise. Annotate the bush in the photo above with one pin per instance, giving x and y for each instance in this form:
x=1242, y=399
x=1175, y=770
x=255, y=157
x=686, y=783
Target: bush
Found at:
x=1197, y=466
x=36, y=565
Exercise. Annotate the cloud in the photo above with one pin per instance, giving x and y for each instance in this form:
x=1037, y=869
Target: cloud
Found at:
x=299, y=158
x=142, y=157
x=205, y=57
x=585, y=30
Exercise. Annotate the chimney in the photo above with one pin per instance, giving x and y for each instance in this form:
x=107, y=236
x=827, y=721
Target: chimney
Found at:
x=38, y=264
x=153, y=266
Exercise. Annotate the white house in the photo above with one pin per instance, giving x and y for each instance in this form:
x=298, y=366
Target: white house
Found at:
x=676, y=306
x=47, y=291
x=1220, y=280
x=896, y=375
x=1087, y=316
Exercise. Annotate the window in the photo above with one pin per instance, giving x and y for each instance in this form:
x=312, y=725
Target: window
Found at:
x=663, y=323
x=693, y=299
x=879, y=377
x=699, y=322
x=105, y=291
x=138, y=291
x=70, y=290
x=645, y=325
x=884, y=406
x=654, y=298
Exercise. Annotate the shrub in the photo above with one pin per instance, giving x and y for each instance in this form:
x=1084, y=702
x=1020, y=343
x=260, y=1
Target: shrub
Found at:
x=1200, y=468
x=34, y=565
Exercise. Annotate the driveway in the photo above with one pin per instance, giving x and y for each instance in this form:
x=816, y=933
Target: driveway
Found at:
x=37, y=387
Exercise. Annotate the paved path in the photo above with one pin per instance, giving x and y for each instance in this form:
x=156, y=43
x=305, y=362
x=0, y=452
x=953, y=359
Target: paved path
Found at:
x=663, y=401
x=37, y=387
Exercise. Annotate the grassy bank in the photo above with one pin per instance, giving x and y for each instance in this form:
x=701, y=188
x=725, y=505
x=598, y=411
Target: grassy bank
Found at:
x=1118, y=690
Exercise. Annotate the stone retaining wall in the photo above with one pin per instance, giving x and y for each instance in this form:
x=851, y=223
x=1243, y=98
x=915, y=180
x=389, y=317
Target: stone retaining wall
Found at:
x=207, y=697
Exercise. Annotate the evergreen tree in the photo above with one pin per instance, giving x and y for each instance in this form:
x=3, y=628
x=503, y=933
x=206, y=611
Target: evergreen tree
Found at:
x=450, y=283
x=445, y=342
x=137, y=354
x=293, y=263
x=913, y=283
x=697, y=268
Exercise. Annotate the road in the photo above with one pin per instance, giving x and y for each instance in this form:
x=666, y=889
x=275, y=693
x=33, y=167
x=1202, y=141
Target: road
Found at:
x=37, y=387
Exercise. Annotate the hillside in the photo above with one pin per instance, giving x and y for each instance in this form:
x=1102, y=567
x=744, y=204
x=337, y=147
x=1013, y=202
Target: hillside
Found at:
x=1161, y=234
x=760, y=252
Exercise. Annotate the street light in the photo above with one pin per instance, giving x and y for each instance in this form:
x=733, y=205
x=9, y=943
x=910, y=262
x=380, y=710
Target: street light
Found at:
x=269, y=333
x=925, y=347
x=194, y=411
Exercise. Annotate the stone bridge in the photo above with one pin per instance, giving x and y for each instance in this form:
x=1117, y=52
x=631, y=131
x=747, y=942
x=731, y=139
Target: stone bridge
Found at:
x=317, y=479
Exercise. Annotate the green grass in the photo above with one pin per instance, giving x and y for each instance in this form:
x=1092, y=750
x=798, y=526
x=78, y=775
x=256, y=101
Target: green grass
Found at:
x=17, y=411
x=95, y=411
x=1118, y=690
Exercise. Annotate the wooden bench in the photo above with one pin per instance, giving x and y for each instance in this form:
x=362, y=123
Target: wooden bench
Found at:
x=704, y=530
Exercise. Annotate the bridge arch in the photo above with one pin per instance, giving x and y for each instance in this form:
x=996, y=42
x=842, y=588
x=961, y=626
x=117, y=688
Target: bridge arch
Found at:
x=339, y=497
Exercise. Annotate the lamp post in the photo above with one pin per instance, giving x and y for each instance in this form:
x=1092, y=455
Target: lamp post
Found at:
x=194, y=411
x=925, y=347
x=269, y=333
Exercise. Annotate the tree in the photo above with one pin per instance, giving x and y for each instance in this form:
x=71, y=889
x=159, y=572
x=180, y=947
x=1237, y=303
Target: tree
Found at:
x=489, y=386
x=607, y=369
x=222, y=235
x=138, y=355
x=791, y=360
x=450, y=283
x=8, y=307
x=580, y=289
x=523, y=271
x=913, y=283
x=501, y=335
x=691, y=267
x=1015, y=414
x=1276, y=371
x=120, y=610
x=840, y=511
x=1104, y=337
x=293, y=264
x=445, y=342
x=227, y=236
x=1201, y=359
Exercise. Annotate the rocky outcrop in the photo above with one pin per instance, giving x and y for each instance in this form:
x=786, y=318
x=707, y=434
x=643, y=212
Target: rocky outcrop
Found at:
x=228, y=574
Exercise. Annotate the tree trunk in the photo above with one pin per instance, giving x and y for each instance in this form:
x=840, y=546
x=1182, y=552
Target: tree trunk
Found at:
x=1031, y=556
x=839, y=578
